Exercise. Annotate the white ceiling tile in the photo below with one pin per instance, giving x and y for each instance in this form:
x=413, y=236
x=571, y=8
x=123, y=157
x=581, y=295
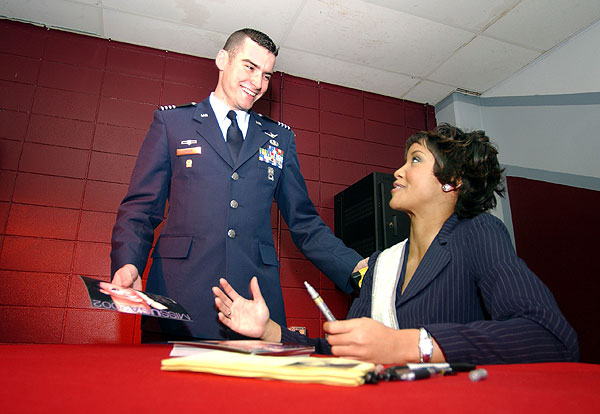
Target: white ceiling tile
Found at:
x=482, y=64
x=352, y=75
x=55, y=13
x=429, y=92
x=468, y=14
x=224, y=16
x=362, y=33
x=125, y=27
x=532, y=23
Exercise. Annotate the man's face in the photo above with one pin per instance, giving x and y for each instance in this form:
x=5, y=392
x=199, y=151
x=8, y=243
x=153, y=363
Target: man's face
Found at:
x=244, y=77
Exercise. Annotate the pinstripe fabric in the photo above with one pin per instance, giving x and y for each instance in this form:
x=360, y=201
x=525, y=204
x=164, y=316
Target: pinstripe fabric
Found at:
x=480, y=302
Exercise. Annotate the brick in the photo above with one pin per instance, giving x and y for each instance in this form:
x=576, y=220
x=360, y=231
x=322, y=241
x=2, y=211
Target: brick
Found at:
x=179, y=93
x=309, y=166
x=328, y=191
x=93, y=326
x=344, y=149
x=65, y=104
x=301, y=117
x=60, y=131
x=70, y=77
x=118, y=139
x=33, y=254
x=96, y=227
x=132, y=88
x=76, y=49
x=7, y=184
x=262, y=106
x=415, y=116
x=10, y=151
x=49, y=159
x=18, y=288
x=301, y=94
x=298, y=303
x=341, y=172
x=385, y=156
x=111, y=167
x=48, y=190
x=342, y=125
x=4, y=208
x=337, y=301
x=38, y=221
x=274, y=91
x=384, y=111
x=133, y=60
x=19, y=69
x=341, y=100
x=22, y=39
x=16, y=96
x=103, y=196
x=192, y=71
x=307, y=142
x=13, y=125
x=31, y=325
x=294, y=272
x=384, y=133
x=125, y=113
x=92, y=259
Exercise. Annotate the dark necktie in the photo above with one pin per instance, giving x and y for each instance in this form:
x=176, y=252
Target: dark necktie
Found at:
x=234, y=136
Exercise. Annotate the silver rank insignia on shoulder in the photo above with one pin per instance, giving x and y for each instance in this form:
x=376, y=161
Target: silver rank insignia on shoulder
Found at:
x=189, y=142
x=281, y=124
x=188, y=163
x=270, y=134
x=273, y=142
x=271, y=174
x=165, y=107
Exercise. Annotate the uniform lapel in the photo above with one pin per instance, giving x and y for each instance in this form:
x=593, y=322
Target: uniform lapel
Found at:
x=209, y=130
x=255, y=138
x=435, y=260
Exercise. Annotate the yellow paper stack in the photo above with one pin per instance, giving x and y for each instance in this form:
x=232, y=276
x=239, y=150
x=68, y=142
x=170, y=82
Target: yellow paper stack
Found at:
x=331, y=371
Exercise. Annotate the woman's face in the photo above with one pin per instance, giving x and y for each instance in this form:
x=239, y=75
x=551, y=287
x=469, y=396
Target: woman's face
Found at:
x=416, y=187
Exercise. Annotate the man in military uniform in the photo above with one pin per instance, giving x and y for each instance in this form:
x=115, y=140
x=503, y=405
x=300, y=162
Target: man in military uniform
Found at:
x=219, y=164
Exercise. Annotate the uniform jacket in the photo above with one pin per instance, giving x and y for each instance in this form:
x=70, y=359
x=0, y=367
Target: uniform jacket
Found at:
x=480, y=302
x=219, y=215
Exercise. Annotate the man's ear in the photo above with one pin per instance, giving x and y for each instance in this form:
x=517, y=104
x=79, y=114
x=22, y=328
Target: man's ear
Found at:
x=222, y=59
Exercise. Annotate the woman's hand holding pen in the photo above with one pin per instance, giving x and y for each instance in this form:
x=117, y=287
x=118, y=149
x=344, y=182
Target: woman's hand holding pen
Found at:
x=368, y=340
x=246, y=317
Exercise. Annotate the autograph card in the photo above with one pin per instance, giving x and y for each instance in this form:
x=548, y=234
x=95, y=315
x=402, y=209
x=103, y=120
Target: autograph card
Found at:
x=105, y=295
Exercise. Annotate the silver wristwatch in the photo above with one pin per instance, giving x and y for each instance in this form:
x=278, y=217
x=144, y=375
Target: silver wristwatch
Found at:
x=425, y=345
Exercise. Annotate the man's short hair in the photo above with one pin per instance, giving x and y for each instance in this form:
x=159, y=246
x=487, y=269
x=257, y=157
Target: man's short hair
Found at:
x=236, y=39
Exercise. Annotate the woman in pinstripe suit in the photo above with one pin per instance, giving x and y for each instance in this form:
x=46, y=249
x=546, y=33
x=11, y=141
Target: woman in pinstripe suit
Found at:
x=454, y=291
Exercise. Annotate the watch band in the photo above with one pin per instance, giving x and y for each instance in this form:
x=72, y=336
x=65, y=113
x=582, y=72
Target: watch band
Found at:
x=425, y=345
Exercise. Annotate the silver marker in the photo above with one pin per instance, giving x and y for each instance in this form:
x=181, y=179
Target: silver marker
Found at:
x=319, y=302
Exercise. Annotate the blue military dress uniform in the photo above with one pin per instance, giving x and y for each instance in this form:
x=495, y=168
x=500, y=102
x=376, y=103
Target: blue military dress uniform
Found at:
x=219, y=216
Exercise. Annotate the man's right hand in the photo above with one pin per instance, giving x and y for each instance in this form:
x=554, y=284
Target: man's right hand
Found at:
x=128, y=277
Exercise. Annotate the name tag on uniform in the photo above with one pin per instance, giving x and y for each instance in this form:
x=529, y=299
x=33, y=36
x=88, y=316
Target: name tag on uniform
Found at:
x=189, y=151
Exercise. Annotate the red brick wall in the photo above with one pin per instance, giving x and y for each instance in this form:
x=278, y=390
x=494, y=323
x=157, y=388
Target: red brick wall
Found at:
x=74, y=111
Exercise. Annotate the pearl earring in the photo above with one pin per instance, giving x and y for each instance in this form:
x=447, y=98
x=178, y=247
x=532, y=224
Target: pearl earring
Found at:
x=446, y=188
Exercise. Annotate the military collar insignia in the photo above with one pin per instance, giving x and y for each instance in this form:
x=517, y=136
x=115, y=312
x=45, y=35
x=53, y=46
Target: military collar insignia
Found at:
x=203, y=115
x=258, y=123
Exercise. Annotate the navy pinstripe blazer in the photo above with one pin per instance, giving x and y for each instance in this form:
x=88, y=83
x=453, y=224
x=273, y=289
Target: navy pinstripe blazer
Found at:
x=480, y=302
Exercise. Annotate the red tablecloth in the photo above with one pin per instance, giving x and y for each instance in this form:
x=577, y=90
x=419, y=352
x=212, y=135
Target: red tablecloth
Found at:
x=119, y=378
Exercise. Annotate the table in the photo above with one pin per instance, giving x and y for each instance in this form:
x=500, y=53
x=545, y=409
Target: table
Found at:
x=127, y=378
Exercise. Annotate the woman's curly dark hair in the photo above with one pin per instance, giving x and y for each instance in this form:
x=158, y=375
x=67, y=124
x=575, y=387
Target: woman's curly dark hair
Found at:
x=468, y=161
